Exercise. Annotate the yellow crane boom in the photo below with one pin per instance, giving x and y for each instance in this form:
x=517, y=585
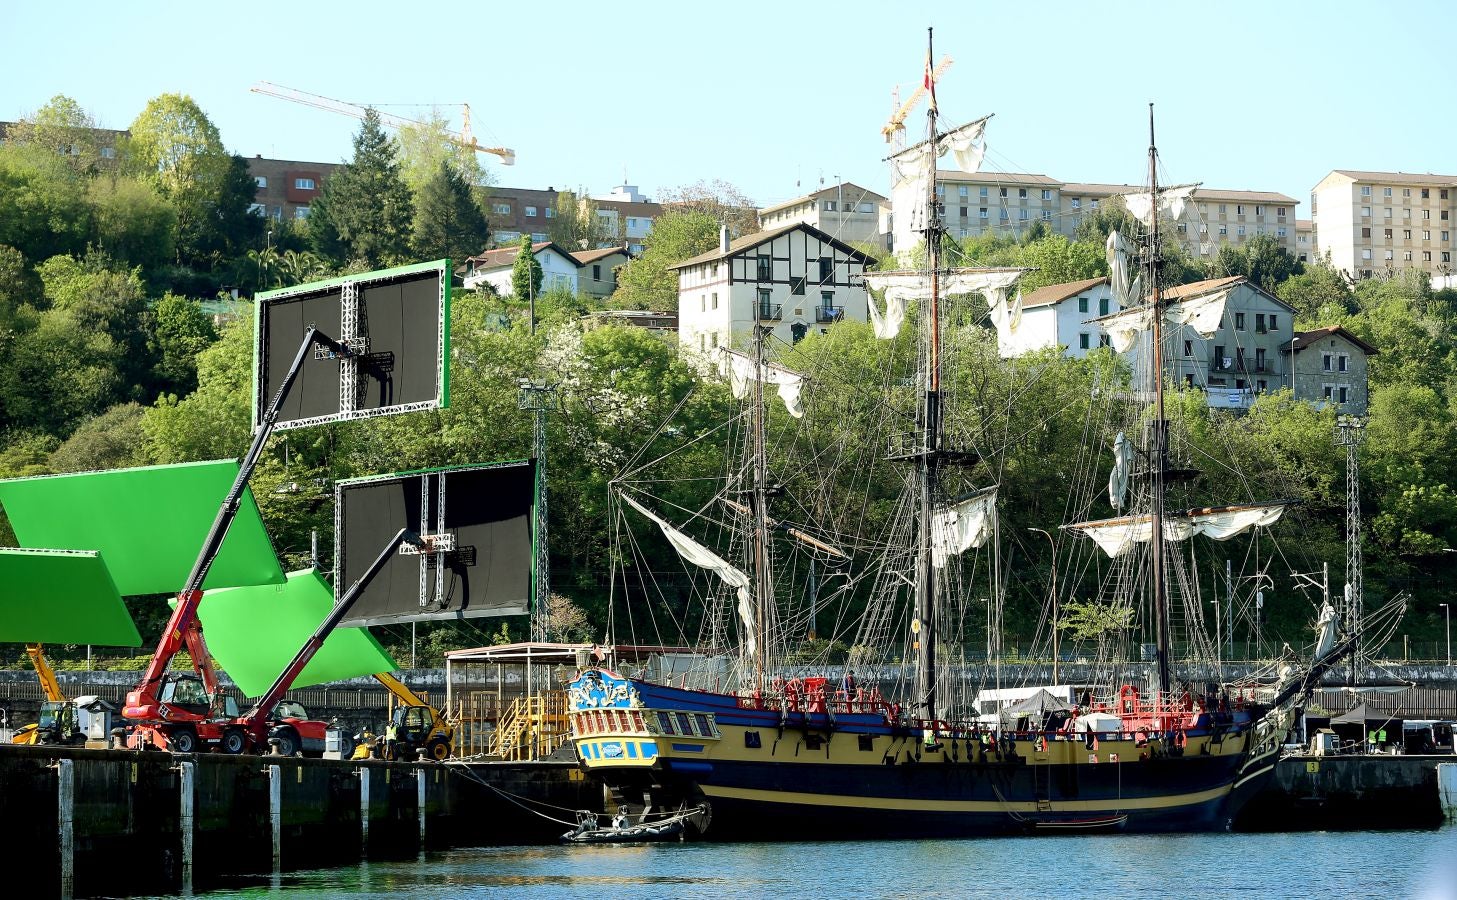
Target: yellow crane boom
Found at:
x=464, y=137
x=48, y=682
x=898, y=118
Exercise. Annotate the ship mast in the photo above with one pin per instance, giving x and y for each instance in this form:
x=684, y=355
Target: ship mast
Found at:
x=1159, y=442
x=763, y=581
x=923, y=624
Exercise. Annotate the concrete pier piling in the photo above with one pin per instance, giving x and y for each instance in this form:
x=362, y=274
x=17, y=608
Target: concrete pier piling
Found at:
x=118, y=822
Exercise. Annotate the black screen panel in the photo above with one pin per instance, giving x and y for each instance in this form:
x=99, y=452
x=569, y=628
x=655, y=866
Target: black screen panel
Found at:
x=488, y=512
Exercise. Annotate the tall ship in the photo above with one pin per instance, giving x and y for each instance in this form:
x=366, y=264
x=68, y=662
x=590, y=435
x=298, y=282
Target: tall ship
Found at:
x=759, y=734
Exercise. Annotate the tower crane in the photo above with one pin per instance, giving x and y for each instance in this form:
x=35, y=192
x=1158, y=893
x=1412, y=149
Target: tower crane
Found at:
x=463, y=137
x=896, y=127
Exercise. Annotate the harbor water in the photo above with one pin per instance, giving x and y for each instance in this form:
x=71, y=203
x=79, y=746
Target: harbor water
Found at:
x=1406, y=864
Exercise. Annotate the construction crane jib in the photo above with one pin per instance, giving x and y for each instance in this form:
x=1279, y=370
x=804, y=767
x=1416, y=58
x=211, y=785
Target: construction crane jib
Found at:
x=329, y=104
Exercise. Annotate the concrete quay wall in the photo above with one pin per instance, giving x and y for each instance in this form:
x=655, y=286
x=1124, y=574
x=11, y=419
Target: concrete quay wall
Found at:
x=113, y=823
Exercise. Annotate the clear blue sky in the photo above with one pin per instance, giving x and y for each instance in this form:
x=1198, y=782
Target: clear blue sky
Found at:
x=1250, y=95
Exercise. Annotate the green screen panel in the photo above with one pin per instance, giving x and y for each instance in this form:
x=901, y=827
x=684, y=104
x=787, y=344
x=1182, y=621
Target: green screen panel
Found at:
x=61, y=597
x=254, y=632
x=149, y=523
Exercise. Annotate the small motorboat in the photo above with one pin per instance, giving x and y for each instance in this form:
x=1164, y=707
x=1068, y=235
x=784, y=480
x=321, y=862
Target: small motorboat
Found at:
x=588, y=831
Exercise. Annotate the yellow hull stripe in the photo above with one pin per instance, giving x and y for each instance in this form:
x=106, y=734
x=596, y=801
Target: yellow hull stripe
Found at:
x=956, y=806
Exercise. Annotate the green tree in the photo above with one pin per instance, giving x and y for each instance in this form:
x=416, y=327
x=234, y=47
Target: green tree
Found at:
x=43, y=209
x=174, y=141
x=448, y=221
x=111, y=440
x=716, y=198
x=1056, y=260
x=1261, y=259
x=647, y=282
x=425, y=145
x=132, y=222
x=575, y=224
x=1317, y=293
x=63, y=128
x=181, y=331
x=365, y=210
x=525, y=273
x=213, y=422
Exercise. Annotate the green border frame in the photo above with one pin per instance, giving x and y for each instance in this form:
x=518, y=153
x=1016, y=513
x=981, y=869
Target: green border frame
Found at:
x=447, y=276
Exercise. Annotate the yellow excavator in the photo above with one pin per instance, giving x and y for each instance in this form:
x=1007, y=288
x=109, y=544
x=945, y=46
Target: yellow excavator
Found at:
x=57, y=721
x=414, y=725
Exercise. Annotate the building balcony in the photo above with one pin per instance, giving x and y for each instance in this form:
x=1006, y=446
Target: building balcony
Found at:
x=829, y=313
x=769, y=312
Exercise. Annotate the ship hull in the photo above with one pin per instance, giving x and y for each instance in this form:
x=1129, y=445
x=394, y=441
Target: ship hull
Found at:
x=767, y=774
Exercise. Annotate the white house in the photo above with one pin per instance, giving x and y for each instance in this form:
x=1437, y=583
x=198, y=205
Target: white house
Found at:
x=558, y=268
x=1057, y=315
x=791, y=278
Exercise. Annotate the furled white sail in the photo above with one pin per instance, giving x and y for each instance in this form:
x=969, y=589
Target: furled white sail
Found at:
x=699, y=555
x=902, y=286
x=961, y=526
x=743, y=370
x=1125, y=291
x=1122, y=468
x=1325, y=632
x=912, y=170
x=1202, y=313
x=1171, y=203
x=1117, y=536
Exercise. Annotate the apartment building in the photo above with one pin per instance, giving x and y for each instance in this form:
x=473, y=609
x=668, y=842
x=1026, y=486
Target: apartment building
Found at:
x=846, y=211
x=627, y=216
x=286, y=187
x=1009, y=203
x=790, y=279
x=1381, y=223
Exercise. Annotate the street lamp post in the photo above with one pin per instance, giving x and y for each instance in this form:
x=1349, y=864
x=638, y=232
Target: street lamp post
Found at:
x=1448, y=611
x=1055, y=654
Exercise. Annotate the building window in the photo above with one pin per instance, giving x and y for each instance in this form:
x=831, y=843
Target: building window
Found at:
x=1259, y=359
x=1022, y=214
x=827, y=269
x=303, y=184
x=1387, y=234
x=530, y=212
x=1426, y=256
x=1343, y=363
x=983, y=192
x=1082, y=304
x=1239, y=321
x=1328, y=389
x=1365, y=254
x=1188, y=379
x=1325, y=362
x=796, y=285
x=1446, y=256
x=962, y=190
x=1426, y=214
x=713, y=301
x=1366, y=211
x=1260, y=322
x=829, y=206
x=1261, y=385
x=1406, y=255
x=1388, y=255
x=1102, y=306
x=1365, y=232
x=1273, y=326
x=596, y=272
x=763, y=268
x=1406, y=233
x=1188, y=348
x=258, y=209
x=1022, y=193
x=1083, y=343
x=1386, y=213
x=1426, y=235
x=1426, y=193
x=501, y=209
x=1386, y=192
x=1105, y=340
x=261, y=181
x=1344, y=392
x=1241, y=229
x=1365, y=190
x=1224, y=229
x=300, y=212
x=1047, y=215
x=1259, y=210
x=1077, y=203
x=550, y=213
x=1002, y=214
x=1239, y=209
x=983, y=213
x=1003, y=191
x=1046, y=195
x=110, y=153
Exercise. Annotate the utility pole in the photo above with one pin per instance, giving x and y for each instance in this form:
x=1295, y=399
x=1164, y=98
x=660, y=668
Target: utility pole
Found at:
x=1448, y=610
